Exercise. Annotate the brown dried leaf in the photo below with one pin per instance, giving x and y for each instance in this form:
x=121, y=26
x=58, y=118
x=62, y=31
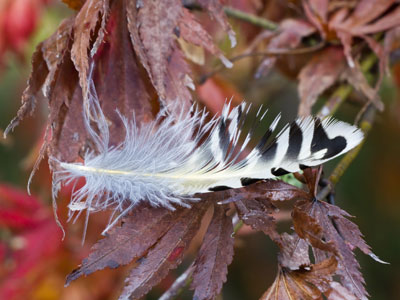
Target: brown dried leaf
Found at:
x=84, y=26
x=126, y=90
x=216, y=253
x=216, y=10
x=356, y=78
x=54, y=50
x=139, y=231
x=339, y=292
x=317, y=12
x=35, y=82
x=294, y=252
x=156, y=22
x=120, y=82
x=167, y=254
x=321, y=72
x=309, y=229
x=191, y=31
x=390, y=20
x=365, y=12
x=291, y=33
x=254, y=203
x=308, y=282
x=340, y=232
x=274, y=190
x=256, y=215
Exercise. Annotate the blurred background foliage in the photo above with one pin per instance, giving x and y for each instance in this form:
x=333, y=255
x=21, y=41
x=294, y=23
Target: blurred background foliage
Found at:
x=34, y=260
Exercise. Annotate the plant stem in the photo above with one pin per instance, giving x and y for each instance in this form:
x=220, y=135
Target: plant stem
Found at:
x=250, y=18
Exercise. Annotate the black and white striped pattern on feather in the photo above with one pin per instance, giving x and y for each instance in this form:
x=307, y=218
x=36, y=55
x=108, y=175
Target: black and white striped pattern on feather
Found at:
x=304, y=143
x=167, y=161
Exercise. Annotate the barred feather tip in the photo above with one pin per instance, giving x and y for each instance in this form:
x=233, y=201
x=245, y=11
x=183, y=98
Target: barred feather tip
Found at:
x=167, y=161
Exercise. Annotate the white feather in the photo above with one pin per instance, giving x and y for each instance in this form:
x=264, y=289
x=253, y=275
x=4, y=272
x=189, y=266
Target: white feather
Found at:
x=167, y=161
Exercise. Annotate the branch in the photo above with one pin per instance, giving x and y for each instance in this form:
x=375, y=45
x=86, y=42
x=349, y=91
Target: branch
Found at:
x=250, y=18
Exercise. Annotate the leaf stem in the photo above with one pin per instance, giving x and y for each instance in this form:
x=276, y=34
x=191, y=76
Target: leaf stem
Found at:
x=250, y=18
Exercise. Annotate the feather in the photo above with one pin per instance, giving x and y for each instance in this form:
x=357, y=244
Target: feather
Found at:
x=167, y=161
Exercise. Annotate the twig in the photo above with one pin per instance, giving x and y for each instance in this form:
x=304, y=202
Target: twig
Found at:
x=179, y=284
x=274, y=52
x=237, y=14
x=250, y=18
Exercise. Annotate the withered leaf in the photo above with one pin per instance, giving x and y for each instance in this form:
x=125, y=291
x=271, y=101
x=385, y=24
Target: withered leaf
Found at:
x=155, y=23
x=36, y=80
x=216, y=253
x=256, y=215
x=321, y=72
x=92, y=13
x=294, y=252
x=291, y=33
x=274, y=190
x=167, y=254
x=254, y=203
x=216, y=10
x=357, y=79
x=139, y=231
x=340, y=232
x=191, y=31
x=128, y=88
x=308, y=282
x=339, y=292
x=308, y=228
x=54, y=51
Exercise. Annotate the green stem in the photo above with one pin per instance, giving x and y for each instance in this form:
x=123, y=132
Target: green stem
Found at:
x=252, y=19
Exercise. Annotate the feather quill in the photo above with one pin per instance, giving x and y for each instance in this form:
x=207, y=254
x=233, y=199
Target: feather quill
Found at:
x=167, y=161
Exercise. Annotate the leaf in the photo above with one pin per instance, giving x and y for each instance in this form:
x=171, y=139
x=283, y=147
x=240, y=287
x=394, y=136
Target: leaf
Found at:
x=294, y=252
x=54, y=50
x=309, y=229
x=216, y=10
x=120, y=82
x=291, y=33
x=84, y=26
x=216, y=253
x=156, y=22
x=321, y=72
x=167, y=254
x=35, y=82
x=357, y=79
x=339, y=292
x=323, y=214
x=308, y=282
x=255, y=207
x=126, y=90
x=139, y=231
x=191, y=31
